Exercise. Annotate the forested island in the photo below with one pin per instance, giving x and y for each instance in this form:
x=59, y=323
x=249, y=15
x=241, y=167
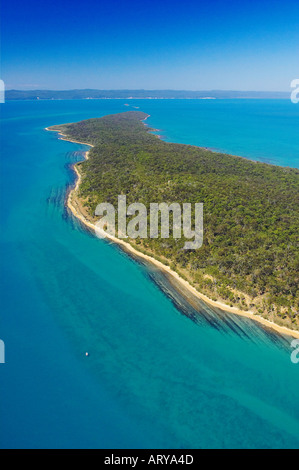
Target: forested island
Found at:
x=249, y=258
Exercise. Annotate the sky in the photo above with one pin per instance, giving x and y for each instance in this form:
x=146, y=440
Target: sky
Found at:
x=149, y=44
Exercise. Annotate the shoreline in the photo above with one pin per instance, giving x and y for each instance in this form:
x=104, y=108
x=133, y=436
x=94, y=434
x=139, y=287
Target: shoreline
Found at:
x=129, y=248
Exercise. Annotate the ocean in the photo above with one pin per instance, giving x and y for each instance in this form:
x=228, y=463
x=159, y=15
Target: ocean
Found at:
x=159, y=374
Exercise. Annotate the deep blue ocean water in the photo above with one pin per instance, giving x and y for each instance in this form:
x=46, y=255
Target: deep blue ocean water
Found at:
x=159, y=374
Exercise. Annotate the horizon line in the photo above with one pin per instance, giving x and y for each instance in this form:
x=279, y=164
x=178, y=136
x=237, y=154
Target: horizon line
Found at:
x=148, y=89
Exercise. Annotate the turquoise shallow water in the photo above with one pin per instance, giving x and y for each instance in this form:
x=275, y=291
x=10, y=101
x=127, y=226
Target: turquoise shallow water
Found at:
x=159, y=374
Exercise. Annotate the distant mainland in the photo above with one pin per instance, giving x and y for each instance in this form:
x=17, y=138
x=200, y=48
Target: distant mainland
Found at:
x=140, y=94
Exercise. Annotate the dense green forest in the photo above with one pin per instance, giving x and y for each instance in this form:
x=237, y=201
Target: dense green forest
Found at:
x=249, y=257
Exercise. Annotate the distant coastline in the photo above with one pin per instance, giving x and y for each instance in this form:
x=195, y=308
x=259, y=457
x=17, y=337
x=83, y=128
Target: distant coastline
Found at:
x=74, y=206
x=92, y=94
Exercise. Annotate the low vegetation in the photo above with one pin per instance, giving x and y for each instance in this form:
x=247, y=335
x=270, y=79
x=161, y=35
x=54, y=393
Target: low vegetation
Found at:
x=249, y=257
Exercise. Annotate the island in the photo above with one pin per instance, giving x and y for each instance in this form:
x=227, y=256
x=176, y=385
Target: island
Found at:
x=248, y=262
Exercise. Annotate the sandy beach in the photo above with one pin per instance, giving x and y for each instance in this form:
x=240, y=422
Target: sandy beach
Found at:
x=75, y=209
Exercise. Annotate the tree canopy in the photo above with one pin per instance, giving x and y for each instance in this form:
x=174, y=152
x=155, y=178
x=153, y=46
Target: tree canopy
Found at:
x=249, y=257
